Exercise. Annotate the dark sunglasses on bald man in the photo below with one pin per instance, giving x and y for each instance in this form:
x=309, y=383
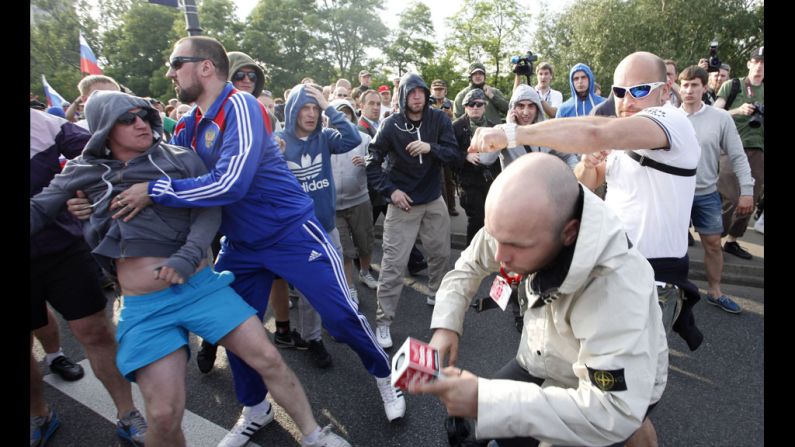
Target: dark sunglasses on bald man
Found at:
x=177, y=62
x=238, y=76
x=636, y=91
x=128, y=118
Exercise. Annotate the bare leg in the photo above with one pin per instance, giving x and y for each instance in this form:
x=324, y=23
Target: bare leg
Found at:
x=279, y=300
x=249, y=342
x=364, y=262
x=37, y=405
x=95, y=334
x=162, y=384
x=645, y=436
x=713, y=262
x=348, y=267
x=48, y=335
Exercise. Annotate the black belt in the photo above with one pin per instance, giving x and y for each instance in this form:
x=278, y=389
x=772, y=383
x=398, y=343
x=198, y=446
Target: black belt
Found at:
x=645, y=161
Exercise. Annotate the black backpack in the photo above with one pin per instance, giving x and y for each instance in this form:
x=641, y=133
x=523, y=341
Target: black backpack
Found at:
x=733, y=93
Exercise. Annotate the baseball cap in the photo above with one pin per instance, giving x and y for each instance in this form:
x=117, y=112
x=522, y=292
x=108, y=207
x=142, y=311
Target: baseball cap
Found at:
x=474, y=95
x=477, y=66
x=438, y=83
x=364, y=73
x=383, y=88
x=758, y=54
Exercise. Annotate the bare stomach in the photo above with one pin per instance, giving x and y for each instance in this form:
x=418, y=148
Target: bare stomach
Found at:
x=137, y=276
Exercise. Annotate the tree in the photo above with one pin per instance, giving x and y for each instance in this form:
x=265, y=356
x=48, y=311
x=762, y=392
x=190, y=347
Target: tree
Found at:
x=410, y=42
x=602, y=32
x=54, y=47
x=137, y=48
x=218, y=20
x=488, y=31
x=283, y=36
x=347, y=28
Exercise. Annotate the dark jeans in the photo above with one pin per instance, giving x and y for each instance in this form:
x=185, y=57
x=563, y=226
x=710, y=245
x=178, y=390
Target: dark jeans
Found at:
x=473, y=200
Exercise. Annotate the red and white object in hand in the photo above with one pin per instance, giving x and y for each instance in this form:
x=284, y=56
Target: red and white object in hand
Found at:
x=415, y=361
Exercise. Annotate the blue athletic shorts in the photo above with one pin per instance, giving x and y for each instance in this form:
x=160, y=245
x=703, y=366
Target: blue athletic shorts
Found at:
x=154, y=325
x=706, y=214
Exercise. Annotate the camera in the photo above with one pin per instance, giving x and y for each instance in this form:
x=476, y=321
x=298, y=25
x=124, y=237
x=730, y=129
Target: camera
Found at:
x=758, y=117
x=523, y=65
x=713, y=61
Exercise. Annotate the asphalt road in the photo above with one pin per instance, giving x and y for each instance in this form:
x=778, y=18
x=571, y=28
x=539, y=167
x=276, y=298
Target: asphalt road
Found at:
x=715, y=395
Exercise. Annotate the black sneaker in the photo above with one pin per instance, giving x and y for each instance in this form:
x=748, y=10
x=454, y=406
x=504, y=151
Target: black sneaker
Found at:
x=320, y=357
x=290, y=340
x=733, y=248
x=205, y=359
x=66, y=368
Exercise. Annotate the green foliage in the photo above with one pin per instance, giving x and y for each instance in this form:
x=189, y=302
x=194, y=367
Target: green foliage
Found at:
x=346, y=29
x=136, y=49
x=411, y=42
x=218, y=20
x=54, y=47
x=489, y=31
x=600, y=33
x=444, y=67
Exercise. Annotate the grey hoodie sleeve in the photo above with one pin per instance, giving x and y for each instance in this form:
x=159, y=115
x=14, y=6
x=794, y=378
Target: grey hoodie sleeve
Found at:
x=203, y=228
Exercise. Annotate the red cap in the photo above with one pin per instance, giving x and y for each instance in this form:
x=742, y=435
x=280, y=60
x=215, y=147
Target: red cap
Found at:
x=383, y=88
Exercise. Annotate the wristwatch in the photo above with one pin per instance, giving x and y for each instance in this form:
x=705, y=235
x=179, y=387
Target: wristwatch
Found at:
x=510, y=133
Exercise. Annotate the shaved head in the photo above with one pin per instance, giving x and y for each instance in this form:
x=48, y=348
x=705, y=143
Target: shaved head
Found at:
x=642, y=63
x=527, y=208
x=640, y=68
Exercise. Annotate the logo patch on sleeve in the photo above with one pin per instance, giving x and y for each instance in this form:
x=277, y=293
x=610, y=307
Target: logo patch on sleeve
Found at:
x=608, y=380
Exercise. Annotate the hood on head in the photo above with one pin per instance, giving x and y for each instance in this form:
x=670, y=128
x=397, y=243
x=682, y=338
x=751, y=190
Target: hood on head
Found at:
x=409, y=82
x=238, y=60
x=297, y=99
x=103, y=108
x=342, y=103
x=523, y=93
x=588, y=72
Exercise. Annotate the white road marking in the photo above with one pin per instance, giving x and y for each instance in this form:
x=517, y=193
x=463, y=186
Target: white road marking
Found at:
x=199, y=432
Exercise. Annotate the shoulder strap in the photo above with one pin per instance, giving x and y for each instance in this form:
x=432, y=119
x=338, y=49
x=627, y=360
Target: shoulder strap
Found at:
x=733, y=93
x=648, y=162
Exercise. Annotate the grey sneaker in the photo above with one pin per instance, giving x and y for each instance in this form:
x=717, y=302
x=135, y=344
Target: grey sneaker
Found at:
x=368, y=280
x=132, y=428
x=327, y=438
x=354, y=294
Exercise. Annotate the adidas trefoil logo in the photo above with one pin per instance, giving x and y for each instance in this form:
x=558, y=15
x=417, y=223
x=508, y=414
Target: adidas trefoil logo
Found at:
x=314, y=255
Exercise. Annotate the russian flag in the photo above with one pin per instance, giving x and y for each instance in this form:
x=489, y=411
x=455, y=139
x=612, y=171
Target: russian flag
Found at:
x=88, y=62
x=53, y=98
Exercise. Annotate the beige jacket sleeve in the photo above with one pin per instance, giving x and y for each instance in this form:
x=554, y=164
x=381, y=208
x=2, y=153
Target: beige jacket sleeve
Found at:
x=460, y=284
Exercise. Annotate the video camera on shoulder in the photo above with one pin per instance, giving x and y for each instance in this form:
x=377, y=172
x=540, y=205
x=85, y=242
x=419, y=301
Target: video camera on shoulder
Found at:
x=713, y=61
x=523, y=65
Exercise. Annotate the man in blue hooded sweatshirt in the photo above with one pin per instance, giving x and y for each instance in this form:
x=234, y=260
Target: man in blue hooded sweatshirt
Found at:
x=307, y=148
x=583, y=98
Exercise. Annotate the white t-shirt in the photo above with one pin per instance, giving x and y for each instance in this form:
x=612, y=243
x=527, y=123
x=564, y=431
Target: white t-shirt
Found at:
x=654, y=206
x=552, y=97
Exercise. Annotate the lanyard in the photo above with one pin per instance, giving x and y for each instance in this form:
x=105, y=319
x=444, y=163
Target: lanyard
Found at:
x=512, y=280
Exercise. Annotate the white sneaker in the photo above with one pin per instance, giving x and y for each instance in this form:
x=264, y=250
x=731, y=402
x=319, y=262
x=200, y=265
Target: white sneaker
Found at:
x=431, y=301
x=759, y=225
x=354, y=294
x=383, y=337
x=394, y=402
x=245, y=428
x=327, y=438
x=368, y=280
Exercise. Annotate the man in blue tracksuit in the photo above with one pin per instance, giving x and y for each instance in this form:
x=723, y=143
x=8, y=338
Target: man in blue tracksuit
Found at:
x=308, y=148
x=583, y=98
x=267, y=219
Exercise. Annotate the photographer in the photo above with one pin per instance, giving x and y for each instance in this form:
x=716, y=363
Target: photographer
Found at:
x=496, y=104
x=744, y=98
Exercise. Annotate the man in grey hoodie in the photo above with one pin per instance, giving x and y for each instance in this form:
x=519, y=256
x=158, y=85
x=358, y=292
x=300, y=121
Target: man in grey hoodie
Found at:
x=162, y=263
x=525, y=108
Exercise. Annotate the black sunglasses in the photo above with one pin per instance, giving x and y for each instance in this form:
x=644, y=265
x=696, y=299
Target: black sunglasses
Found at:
x=128, y=118
x=238, y=76
x=475, y=104
x=177, y=62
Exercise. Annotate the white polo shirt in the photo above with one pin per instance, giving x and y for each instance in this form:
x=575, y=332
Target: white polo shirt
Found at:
x=654, y=206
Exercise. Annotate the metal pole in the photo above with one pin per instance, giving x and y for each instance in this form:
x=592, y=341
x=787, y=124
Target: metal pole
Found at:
x=192, y=18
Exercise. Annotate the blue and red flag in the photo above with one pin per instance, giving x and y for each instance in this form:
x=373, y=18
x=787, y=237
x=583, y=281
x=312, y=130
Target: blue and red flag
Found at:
x=88, y=62
x=53, y=98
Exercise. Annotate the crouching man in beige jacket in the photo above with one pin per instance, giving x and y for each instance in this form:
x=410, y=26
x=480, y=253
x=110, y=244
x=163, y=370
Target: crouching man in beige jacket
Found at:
x=593, y=357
